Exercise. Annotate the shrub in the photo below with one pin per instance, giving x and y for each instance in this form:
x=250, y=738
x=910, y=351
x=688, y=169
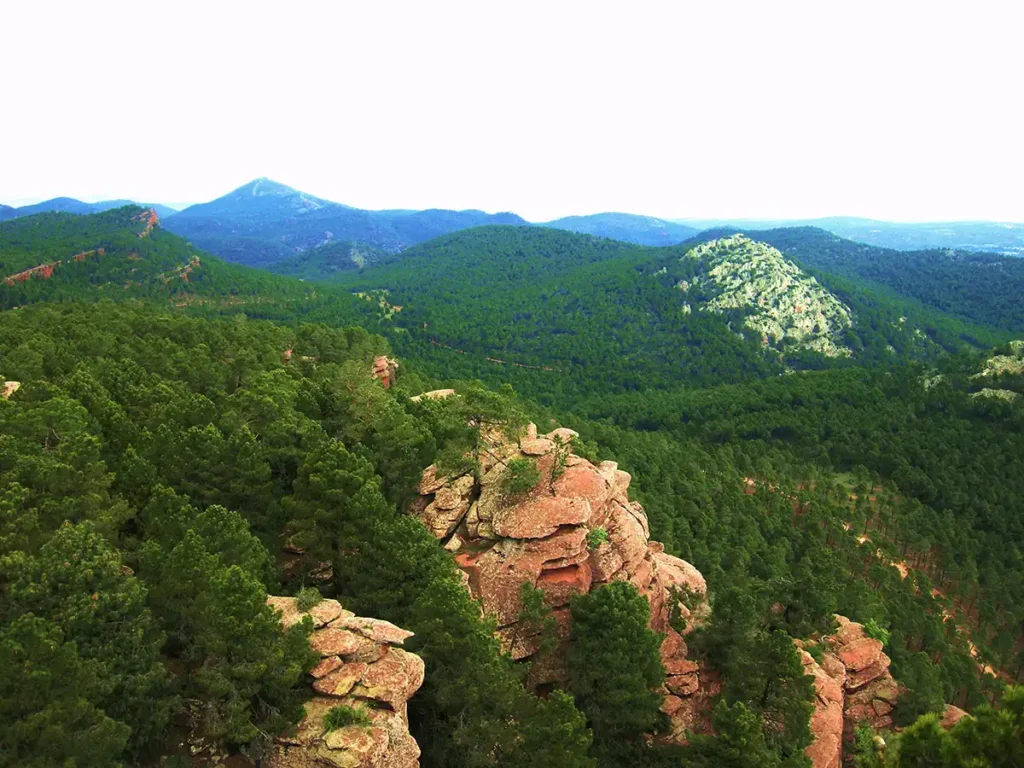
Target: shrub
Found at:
x=342, y=717
x=596, y=538
x=307, y=598
x=522, y=475
x=873, y=629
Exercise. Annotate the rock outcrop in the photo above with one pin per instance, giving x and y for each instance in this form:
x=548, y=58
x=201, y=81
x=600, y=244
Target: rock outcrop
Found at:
x=8, y=388
x=363, y=667
x=853, y=687
x=384, y=370
x=786, y=307
x=435, y=394
x=574, y=530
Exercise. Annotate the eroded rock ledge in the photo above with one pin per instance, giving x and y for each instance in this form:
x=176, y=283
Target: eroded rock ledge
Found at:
x=362, y=666
x=574, y=530
x=853, y=686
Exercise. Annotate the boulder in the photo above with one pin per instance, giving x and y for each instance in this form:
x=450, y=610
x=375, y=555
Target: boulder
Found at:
x=435, y=394
x=604, y=561
x=860, y=654
x=322, y=613
x=392, y=679
x=539, y=516
x=952, y=716
x=536, y=446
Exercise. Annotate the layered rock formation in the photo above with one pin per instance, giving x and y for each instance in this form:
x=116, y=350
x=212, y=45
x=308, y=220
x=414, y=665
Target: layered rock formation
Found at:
x=362, y=667
x=574, y=530
x=384, y=370
x=854, y=687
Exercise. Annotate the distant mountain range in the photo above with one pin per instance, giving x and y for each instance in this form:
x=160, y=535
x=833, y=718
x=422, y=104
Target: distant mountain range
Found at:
x=627, y=227
x=991, y=236
x=71, y=205
x=263, y=223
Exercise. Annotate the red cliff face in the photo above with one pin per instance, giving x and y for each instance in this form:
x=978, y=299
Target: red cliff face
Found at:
x=853, y=686
x=574, y=531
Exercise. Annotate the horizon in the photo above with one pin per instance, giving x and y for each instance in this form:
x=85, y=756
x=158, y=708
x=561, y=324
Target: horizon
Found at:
x=667, y=111
x=712, y=221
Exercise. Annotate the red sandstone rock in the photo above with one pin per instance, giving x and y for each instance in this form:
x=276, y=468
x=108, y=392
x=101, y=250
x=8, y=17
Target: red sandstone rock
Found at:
x=870, y=673
x=341, y=680
x=332, y=641
x=393, y=679
x=952, y=716
x=380, y=685
x=561, y=584
x=322, y=613
x=860, y=653
x=326, y=666
x=604, y=561
x=538, y=517
x=536, y=446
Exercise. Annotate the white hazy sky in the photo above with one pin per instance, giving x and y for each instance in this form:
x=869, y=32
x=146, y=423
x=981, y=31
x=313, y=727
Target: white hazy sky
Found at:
x=898, y=110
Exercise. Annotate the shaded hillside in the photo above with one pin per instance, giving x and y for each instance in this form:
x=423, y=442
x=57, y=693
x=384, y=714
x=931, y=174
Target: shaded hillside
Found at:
x=556, y=313
x=325, y=261
x=629, y=228
x=121, y=253
x=264, y=222
x=982, y=287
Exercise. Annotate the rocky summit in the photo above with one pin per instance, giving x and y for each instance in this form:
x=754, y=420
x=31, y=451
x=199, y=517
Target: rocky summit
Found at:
x=362, y=667
x=573, y=531
x=786, y=307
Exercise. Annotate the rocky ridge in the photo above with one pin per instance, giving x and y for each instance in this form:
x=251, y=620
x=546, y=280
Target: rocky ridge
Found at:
x=788, y=308
x=853, y=687
x=363, y=667
x=574, y=530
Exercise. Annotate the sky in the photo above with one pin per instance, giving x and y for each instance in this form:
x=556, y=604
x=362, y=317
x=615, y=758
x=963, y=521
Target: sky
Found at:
x=898, y=110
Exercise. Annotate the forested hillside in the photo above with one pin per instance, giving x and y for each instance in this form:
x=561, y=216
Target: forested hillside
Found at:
x=560, y=315
x=125, y=253
x=324, y=262
x=173, y=452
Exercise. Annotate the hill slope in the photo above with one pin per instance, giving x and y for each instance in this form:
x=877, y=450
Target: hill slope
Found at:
x=119, y=254
x=642, y=230
x=325, y=261
x=981, y=287
x=264, y=222
x=556, y=313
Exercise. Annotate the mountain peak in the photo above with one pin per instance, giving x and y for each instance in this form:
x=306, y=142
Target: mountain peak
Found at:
x=264, y=187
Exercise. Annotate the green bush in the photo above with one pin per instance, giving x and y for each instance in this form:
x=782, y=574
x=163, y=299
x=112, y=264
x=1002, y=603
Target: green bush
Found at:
x=596, y=538
x=342, y=717
x=522, y=476
x=873, y=629
x=307, y=598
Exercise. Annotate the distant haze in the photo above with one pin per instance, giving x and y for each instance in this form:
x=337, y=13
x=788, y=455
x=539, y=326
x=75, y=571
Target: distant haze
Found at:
x=902, y=111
